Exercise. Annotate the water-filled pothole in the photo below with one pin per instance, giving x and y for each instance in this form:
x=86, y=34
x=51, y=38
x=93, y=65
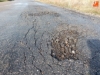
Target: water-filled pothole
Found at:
x=64, y=45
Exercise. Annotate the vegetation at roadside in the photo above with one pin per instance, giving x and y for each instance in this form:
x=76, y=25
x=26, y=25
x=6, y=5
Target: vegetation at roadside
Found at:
x=5, y=0
x=82, y=6
x=2, y=0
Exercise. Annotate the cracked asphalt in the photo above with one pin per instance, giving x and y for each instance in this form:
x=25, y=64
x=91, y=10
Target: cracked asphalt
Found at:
x=27, y=28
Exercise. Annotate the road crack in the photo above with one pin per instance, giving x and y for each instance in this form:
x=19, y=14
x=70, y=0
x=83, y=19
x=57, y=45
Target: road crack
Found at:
x=29, y=30
x=25, y=60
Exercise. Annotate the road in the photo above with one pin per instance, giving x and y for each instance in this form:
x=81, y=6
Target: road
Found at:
x=37, y=39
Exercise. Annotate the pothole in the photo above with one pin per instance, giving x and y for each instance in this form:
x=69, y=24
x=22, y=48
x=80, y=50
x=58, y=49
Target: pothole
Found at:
x=64, y=45
x=45, y=13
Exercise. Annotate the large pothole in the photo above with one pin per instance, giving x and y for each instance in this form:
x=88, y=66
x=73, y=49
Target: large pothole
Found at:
x=64, y=45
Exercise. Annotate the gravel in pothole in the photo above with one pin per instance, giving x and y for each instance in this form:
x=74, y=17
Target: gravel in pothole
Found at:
x=64, y=45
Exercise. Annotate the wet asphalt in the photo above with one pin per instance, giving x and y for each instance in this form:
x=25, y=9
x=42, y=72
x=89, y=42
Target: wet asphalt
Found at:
x=27, y=28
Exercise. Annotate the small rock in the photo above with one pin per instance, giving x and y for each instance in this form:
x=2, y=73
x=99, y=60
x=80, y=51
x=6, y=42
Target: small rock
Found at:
x=73, y=52
x=62, y=56
x=37, y=70
x=57, y=40
x=75, y=40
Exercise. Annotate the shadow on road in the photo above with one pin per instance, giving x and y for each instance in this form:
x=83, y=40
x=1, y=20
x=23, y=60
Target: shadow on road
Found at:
x=94, y=45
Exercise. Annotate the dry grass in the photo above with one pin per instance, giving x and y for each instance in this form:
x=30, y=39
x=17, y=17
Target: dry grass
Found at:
x=83, y=5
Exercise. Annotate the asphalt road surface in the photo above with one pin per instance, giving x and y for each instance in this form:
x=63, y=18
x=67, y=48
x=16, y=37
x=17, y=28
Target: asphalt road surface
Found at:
x=37, y=39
